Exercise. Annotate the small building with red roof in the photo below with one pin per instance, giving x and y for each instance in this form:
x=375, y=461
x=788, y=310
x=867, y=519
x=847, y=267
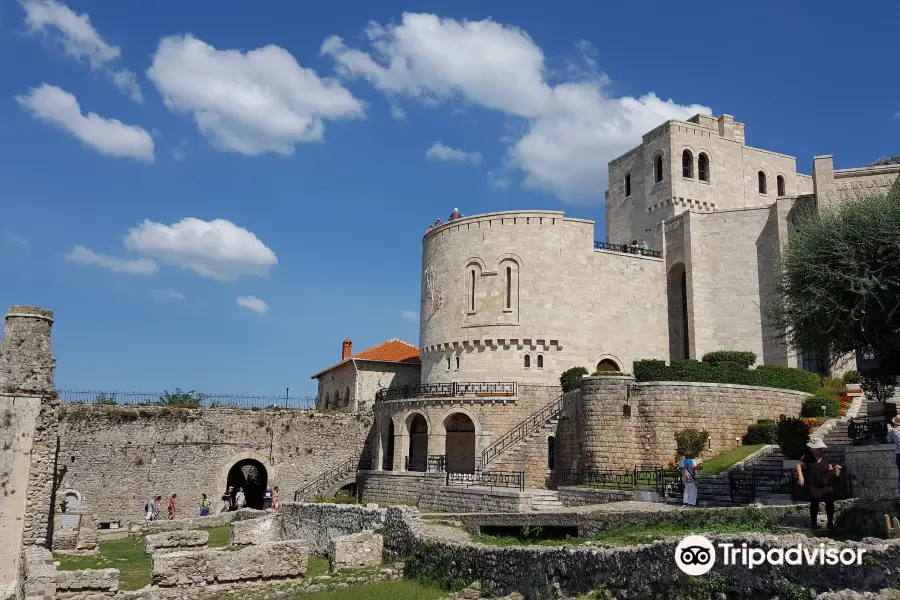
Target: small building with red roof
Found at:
x=352, y=383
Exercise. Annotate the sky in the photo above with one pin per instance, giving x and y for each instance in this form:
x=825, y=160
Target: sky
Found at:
x=214, y=195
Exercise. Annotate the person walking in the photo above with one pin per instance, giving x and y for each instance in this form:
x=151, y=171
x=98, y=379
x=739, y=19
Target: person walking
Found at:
x=204, y=506
x=689, y=467
x=267, y=498
x=172, y=507
x=816, y=472
x=157, y=505
x=893, y=437
x=240, y=499
x=148, y=508
x=228, y=499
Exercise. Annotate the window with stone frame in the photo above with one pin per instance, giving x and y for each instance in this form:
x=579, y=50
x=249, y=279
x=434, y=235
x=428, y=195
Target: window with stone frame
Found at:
x=703, y=167
x=780, y=183
x=627, y=185
x=658, y=168
x=687, y=164
x=761, y=179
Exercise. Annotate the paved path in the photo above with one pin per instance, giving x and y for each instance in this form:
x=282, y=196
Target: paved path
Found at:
x=446, y=533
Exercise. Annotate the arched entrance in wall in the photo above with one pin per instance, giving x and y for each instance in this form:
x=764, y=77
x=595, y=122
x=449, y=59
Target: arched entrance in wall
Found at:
x=251, y=475
x=607, y=365
x=460, y=443
x=387, y=458
x=676, y=291
x=418, y=443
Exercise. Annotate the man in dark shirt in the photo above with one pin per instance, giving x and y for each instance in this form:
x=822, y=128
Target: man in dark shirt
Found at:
x=816, y=472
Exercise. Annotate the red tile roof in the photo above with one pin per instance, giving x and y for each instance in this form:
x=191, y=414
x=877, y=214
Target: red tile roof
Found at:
x=393, y=351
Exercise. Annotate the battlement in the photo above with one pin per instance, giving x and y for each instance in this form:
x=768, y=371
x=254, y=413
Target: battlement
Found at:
x=499, y=219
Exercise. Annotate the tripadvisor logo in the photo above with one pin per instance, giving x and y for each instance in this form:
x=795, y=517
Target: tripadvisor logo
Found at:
x=695, y=555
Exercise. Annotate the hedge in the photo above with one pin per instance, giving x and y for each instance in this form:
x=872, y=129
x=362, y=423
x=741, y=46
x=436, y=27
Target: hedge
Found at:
x=610, y=374
x=812, y=406
x=763, y=432
x=774, y=376
x=571, y=378
x=851, y=377
x=741, y=357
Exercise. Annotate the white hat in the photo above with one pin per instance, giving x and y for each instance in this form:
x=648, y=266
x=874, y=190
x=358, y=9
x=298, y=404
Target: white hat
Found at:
x=816, y=443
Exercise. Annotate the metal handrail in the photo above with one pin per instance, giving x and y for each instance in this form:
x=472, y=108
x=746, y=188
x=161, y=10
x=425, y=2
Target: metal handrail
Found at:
x=326, y=477
x=628, y=249
x=447, y=390
x=531, y=423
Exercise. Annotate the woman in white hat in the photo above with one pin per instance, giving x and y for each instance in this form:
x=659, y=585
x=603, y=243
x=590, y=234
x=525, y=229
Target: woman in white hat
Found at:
x=815, y=472
x=893, y=437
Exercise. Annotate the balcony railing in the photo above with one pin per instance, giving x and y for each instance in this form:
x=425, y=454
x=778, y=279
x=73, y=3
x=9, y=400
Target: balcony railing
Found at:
x=433, y=463
x=867, y=430
x=447, y=390
x=628, y=249
x=488, y=479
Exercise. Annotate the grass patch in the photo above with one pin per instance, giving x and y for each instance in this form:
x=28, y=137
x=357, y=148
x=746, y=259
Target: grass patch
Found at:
x=403, y=589
x=127, y=555
x=218, y=536
x=723, y=460
x=317, y=565
x=626, y=535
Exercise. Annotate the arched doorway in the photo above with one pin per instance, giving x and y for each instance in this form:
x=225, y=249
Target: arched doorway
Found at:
x=251, y=475
x=460, y=443
x=676, y=290
x=418, y=443
x=387, y=459
x=607, y=365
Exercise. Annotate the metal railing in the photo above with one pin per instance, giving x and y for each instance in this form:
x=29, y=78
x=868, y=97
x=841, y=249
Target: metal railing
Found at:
x=186, y=399
x=628, y=249
x=745, y=487
x=488, y=479
x=325, y=478
x=867, y=430
x=447, y=390
x=525, y=428
x=666, y=482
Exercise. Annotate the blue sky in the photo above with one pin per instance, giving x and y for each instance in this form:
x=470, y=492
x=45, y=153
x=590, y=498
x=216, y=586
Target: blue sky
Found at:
x=278, y=153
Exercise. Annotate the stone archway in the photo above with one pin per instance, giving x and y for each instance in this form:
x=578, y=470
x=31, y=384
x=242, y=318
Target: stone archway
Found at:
x=460, y=443
x=418, y=442
x=252, y=476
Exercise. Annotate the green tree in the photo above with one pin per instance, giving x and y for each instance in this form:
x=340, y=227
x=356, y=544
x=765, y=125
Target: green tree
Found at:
x=691, y=441
x=571, y=378
x=838, y=286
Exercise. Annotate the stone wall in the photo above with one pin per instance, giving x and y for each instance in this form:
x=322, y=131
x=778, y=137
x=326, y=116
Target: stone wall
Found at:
x=355, y=551
x=183, y=524
x=172, y=540
x=276, y=560
x=873, y=470
x=117, y=457
x=580, y=496
x=255, y=531
x=429, y=492
x=42, y=580
x=644, y=433
x=317, y=524
x=385, y=487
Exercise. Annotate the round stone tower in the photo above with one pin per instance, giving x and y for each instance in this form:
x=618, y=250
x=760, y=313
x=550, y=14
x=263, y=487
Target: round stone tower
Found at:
x=26, y=362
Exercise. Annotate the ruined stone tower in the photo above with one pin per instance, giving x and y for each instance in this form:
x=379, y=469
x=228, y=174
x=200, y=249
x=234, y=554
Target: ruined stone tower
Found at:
x=28, y=437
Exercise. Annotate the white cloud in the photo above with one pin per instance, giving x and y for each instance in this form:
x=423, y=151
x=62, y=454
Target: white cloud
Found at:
x=17, y=240
x=573, y=128
x=440, y=151
x=410, y=315
x=218, y=249
x=254, y=304
x=109, y=137
x=80, y=40
x=163, y=295
x=179, y=152
x=254, y=102
x=139, y=266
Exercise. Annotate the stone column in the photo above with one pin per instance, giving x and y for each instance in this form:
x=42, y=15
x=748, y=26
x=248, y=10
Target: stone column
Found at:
x=26, y=369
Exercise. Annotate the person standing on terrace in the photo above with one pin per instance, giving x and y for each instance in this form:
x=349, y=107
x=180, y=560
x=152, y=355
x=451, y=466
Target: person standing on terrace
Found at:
x=893, y=437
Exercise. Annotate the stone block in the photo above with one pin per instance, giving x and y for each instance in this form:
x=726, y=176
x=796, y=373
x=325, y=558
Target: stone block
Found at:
x=255, y=531
x=275, y=560
x=175, y=540
x=364, y=549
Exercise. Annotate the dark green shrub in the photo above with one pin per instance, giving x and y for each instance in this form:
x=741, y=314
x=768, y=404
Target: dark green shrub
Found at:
x=812, y=406
x=744, y=358
x=691, y=441
x=571, y=378
x=762, y=432
x=610, y=374
x=851, y=377
x=793, y=435
x=878, y=388
x=726, y=372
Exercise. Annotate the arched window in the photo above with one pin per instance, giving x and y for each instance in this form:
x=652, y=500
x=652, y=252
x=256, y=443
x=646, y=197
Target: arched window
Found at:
x=780, y=182
x=551, y=452
x=762, y=182
x=687, y=164
x=540, y=361
x=527, y=361
x=508, y=287
x=457, y=363
x=627, y=184
x=703, y=167
x=448, y=363
x=657, y=169
x=607, y=365
x=472, y=290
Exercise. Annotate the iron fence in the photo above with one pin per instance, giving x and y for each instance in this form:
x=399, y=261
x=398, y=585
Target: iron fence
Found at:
x=747, y=486
x=488, y=479
x=628, y=249
x=187, y=399
x=666, y=482
x=531, y=423
x=447, y=390
x=867, y=430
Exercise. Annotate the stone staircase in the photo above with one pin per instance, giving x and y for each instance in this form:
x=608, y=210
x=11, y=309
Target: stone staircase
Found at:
x=545, y=500
x=515, y=457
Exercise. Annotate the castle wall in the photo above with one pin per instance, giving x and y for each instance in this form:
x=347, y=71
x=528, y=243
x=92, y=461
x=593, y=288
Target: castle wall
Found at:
x=565, y=304
x=117, y=457
x=659, y=409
